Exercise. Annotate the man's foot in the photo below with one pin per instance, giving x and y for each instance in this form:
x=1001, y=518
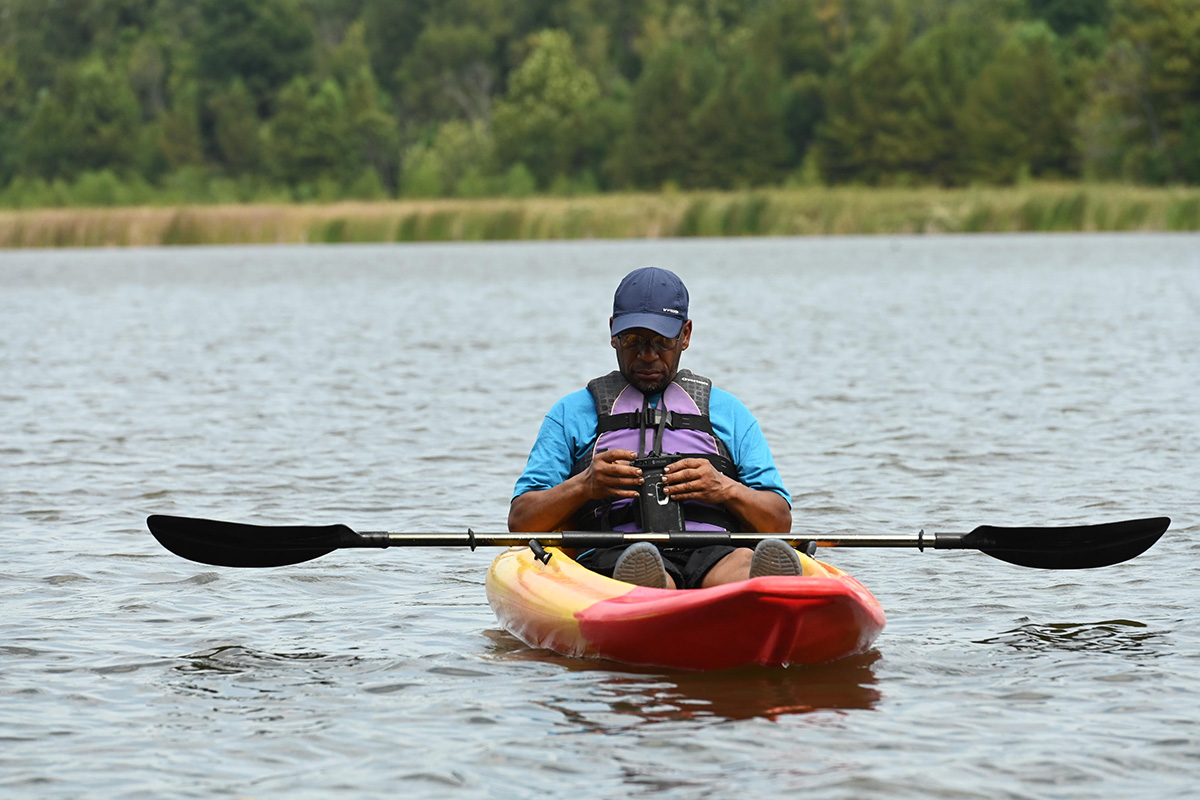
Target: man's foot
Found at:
x=641, y=564
x=774, y=557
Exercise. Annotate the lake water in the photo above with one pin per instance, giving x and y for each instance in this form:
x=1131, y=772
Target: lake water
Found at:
x=904, y=383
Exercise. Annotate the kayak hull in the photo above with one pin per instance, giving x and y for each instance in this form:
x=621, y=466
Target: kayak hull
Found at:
x=818, y=617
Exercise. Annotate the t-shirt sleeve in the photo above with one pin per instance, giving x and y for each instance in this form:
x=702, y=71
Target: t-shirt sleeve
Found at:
x=566, y=433
x=739, y=429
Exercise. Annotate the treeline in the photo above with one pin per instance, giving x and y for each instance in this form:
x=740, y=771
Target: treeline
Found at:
x=114, y=102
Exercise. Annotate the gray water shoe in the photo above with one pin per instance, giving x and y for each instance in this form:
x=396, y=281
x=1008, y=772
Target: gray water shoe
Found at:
x=642, y=564
x=774, y=557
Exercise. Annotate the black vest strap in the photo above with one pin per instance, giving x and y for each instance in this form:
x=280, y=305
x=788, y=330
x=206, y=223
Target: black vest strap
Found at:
x=607, y=388
x=675, y=421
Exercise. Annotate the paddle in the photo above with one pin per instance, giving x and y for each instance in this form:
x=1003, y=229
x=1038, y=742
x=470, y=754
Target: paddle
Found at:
x=233, y=544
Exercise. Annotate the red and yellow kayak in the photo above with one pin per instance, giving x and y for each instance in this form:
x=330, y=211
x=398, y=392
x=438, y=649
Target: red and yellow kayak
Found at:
x=820, y=616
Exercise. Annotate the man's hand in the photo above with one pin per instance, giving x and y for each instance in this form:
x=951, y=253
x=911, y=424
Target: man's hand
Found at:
x=759, y=510
x=610, y=476
x=697, y=479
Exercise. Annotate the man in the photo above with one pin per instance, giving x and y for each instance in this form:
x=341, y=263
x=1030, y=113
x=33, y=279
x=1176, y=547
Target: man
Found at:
x=587, y=469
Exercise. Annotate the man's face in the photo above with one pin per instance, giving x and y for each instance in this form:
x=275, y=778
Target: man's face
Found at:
x=648, y=360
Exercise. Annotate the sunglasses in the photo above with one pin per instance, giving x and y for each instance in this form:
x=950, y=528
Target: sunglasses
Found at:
x=635, y=343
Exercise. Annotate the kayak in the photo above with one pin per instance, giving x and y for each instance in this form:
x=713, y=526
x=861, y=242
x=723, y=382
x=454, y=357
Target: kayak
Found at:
x=814, y=618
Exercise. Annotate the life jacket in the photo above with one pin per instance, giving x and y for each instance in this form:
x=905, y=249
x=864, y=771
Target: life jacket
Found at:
x=679, y=426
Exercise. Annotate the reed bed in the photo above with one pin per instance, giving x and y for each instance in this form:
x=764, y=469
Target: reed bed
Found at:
x=774, y=212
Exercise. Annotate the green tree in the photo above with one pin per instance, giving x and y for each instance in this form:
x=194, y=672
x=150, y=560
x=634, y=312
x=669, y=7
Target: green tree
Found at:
x=942, y=64
x=543, y=119
x=88, y=121
x=1066, y=16
x=375, y=134
x=862, y=136
x=181, y=141
x=1018, y=117
x=1143, y=115
x=450, y=73
x=12, y=112
x=349, y=56
x=236, y=129
x=307, y=136
x=803, y=38
x=42, y=37
x=457, y=162
x=264, y=44
x=392, y=28
x=661, y=143
x=738, y=129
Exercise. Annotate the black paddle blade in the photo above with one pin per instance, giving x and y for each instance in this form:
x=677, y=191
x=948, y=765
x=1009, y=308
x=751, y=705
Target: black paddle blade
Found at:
x=233, y=544
x=1078, y=547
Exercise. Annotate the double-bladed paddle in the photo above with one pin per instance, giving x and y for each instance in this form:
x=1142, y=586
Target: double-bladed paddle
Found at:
x=234, y=544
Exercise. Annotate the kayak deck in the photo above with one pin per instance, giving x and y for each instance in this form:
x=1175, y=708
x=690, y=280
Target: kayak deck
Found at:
x=820, y=616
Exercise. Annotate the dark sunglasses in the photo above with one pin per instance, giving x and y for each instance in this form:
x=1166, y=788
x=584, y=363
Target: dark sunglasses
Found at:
x=635, y=343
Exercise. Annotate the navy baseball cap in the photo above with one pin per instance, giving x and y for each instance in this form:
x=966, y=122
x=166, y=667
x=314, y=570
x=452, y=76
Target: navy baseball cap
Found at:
x=650, y=298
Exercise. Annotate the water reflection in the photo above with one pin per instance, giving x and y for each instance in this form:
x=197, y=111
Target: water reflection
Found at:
x=650, y=694
x=1109, y=636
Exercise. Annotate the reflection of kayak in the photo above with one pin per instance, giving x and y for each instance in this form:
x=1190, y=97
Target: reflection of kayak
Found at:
x=820, y=616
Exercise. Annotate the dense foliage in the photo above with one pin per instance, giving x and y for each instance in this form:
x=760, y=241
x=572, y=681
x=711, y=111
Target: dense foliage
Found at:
x=132, y=101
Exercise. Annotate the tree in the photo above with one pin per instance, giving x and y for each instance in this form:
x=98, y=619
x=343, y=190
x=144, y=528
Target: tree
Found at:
x=12, y=111
x=738, y=128
x=798, y=37
x=264, y=44
x=942, y=64
x=543, y=119
x=43, y=36
x=1143, y=115
x=88, y=121
x=456, y=162
x=1017, y=117
x=863, y=135
x=1066, y=16
x=180, y=139
x=392, y=28
x=449, y=74
x=661, y=143
x=236, y=129
x=373, y=128
x=307, y=136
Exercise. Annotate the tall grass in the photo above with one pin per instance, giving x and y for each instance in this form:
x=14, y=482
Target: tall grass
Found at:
x=774, y=212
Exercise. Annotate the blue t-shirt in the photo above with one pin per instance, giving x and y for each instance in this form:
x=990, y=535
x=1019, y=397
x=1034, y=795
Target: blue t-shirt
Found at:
x=569, y=431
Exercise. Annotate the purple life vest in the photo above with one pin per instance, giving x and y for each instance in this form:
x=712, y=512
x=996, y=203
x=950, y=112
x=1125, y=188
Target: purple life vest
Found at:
x=678, y=426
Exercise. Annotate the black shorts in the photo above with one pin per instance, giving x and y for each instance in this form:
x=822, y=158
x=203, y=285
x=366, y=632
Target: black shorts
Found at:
x=686, y=565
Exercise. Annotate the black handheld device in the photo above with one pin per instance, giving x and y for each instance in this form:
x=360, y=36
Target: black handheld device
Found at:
x=659, y=512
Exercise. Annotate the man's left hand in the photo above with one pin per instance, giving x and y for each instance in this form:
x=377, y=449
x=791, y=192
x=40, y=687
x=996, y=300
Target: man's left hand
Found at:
x=697, y=479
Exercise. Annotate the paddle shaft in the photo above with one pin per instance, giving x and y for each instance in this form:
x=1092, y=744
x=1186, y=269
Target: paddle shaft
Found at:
x=589, y=539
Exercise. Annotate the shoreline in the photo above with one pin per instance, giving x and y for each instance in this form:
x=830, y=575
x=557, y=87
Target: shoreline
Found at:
x=1035, y=207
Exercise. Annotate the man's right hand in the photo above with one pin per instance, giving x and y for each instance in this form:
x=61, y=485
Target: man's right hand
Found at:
x=611, y=476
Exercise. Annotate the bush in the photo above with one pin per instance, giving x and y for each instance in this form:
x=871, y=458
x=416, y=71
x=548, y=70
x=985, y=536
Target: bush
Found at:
x=26, y=192
x=101, y=188
x=518, y=182
x=421, y=175
x=367, y=186
x=473, y=184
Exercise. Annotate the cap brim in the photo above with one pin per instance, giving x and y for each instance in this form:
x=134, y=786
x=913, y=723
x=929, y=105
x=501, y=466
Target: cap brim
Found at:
x=659, y=323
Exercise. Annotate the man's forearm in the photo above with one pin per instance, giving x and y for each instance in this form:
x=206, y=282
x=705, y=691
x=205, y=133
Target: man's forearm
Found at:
x=546, y=509
x=761, y=510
